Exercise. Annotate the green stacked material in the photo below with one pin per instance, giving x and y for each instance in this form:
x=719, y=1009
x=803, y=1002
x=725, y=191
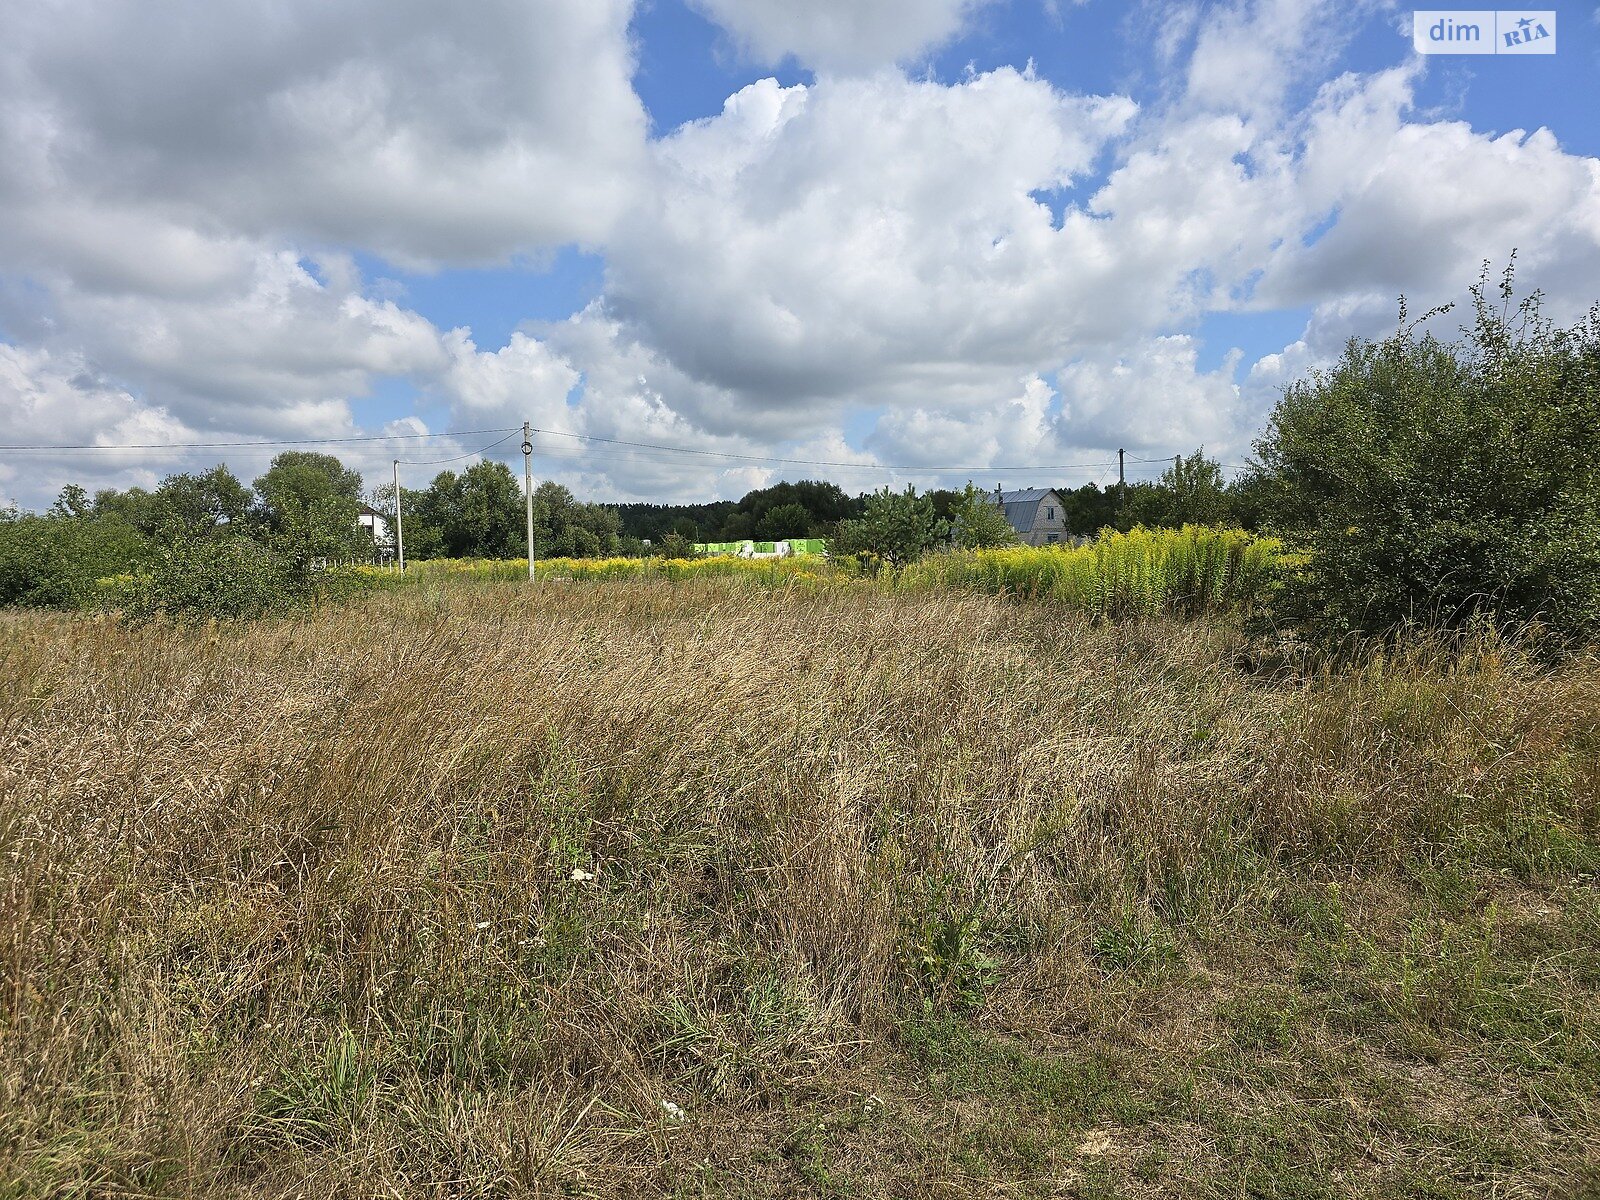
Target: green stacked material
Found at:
x=713, y=549
x=797, y=547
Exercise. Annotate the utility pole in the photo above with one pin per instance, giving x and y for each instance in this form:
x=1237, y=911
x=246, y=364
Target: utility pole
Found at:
x=527, y=488
x=1122, y=484
x=399, y=522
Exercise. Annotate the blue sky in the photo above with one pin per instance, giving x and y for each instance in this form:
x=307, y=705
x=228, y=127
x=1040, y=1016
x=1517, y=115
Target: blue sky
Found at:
x=887, y=235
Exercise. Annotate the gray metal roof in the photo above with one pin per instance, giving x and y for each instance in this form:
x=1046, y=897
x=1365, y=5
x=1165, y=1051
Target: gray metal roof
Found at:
x=1026, y=494
x=1022, y=507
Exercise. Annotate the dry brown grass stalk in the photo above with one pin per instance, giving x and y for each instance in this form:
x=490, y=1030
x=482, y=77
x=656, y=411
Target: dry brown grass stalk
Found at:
x=887, y=890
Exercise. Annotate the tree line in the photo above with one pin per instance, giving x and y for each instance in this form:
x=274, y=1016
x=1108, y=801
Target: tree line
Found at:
x=480, y=513
x=1193, y=491
x=304, y=509
x=302, y=513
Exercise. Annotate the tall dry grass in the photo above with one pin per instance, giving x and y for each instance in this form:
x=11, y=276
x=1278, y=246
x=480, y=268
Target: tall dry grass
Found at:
x=453, y=893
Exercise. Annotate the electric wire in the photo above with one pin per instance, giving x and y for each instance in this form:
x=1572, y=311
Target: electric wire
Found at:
x=433, y=462
x=813, y=462
x=385, y=437
x=595, y=442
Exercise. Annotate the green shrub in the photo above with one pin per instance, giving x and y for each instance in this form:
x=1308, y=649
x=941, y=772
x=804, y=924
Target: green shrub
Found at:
x=216, y=578
x=54, y=561
x=673, y=545
x=978, y=522
x=1446, y=483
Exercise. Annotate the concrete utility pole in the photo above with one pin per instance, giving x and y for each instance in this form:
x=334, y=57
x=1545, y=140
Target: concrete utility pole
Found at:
x=399, y=522
x=527, y=488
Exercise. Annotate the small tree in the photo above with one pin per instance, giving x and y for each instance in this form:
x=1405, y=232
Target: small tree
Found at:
x=73, y=501
x=316, y=531
x=895, y=527
x=1190, y=492
x=978, y=521
x=1199, y=491
x=673, y=545
x=1444, y=481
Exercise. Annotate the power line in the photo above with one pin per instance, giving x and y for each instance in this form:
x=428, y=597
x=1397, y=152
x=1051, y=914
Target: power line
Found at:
x=643, y=455
x=816, y=462
x=386, y=437
x=592, y=439
x=434, y=462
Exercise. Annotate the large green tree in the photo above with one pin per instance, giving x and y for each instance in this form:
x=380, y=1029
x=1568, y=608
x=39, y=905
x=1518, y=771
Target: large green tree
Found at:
x=135, y=506
x=310, y=504
x=480, y=513
x=477, y=513
x=563, y=527
x=305, y=477
x=182, y=505
x=1436, y=480
x=492, y=517
x=784, y=521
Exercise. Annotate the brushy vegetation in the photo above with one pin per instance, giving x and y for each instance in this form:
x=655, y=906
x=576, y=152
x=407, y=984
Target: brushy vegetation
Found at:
x=1141, y=573
x=55, y=561
x=1120, y=575
x=705, y=890
x=209, y=579
x=776, y=570
x=1446, y=483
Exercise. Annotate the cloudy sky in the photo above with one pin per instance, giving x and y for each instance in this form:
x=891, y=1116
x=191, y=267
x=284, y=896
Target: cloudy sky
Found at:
x=916, y=240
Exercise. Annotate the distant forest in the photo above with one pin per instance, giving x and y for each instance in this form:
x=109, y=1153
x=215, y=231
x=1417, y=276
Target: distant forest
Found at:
x=785, y=510
x=1194, y=491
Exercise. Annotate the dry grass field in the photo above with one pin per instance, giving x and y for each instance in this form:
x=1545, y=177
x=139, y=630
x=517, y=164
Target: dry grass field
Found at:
x=699, y=889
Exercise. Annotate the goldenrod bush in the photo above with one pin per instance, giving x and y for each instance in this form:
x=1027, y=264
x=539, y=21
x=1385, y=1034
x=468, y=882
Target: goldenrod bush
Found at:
x=1139, y=574
x=1142, y=573
x=511, y=569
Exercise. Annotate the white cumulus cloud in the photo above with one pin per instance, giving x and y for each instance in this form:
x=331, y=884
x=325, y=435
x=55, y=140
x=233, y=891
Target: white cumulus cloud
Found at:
x=866, y=239
x=421, y=133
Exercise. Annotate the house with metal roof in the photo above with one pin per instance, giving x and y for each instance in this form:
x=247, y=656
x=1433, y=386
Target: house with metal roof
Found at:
x=1037, y=515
